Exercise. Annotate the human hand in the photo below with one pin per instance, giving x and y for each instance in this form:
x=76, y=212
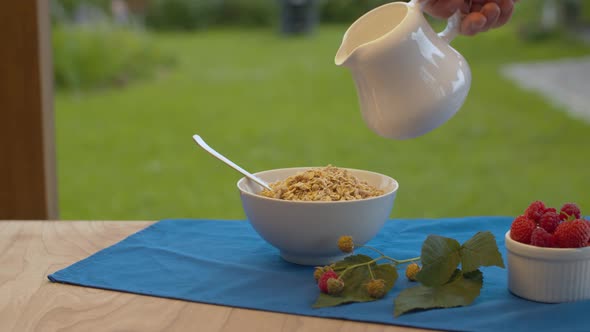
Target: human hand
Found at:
x=480, y=15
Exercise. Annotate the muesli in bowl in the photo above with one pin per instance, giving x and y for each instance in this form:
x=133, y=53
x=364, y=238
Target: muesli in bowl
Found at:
x=309, y=208
x=322, y=184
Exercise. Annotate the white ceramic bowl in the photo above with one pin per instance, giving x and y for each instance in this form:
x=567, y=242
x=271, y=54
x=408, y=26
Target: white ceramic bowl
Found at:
x=550, y=275
x=307, y=232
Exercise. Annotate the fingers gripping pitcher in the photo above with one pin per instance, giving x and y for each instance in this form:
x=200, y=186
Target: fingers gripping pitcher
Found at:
x=408, y=78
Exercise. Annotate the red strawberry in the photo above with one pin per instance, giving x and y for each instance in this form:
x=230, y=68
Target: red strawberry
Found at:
x=522, y=229
x=542, y=238
x=572, y=234
x=535, y=210
x=549, y=221
x=569, y=210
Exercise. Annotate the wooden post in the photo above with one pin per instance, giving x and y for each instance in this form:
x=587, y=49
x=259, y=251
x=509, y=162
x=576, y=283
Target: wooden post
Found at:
x=28, y=188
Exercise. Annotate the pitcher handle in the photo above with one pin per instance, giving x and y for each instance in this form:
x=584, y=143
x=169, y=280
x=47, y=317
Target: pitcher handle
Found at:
x=453, y=23
x=452, y=29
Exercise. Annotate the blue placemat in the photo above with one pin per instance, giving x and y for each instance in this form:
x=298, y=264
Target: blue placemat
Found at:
x=226, y=263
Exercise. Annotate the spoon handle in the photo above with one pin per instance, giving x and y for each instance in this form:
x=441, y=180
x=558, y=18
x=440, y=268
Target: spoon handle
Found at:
x=230, y=163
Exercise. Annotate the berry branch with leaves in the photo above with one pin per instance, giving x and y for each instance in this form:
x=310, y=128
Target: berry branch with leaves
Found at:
x=442, y=284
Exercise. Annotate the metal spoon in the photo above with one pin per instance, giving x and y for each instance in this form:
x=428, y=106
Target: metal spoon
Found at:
x=217, y=155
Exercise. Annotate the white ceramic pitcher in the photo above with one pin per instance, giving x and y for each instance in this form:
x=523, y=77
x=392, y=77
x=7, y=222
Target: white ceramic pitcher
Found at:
x=408, y=78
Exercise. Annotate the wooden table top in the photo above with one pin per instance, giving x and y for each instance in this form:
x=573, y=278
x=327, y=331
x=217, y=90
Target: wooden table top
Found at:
x=31, y=250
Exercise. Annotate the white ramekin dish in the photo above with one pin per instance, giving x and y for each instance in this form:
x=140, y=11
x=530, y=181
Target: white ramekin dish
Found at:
x=550, y=275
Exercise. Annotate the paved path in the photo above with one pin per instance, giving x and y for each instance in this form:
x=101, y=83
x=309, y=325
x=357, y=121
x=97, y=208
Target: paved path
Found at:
x=565, y=82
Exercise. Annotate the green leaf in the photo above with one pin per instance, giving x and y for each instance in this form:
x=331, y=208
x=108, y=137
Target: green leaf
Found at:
x=440, y=257
x=461, y=291
x=480, y=250
x=355, y=281
x=351, y=260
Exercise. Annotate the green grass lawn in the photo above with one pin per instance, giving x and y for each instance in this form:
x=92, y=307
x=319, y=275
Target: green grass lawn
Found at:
x=268, y=102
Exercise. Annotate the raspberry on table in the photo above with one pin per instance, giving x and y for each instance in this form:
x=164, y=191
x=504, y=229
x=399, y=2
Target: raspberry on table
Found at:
x=569, y=210
x=522, y=229
x=376, y=288
x=346, y=244
x=323, y=282
x=572, y=234
x=335, y=286
x=542, y=238
x=411, y=271
x=320, y=270
x=549, y=221
x=535, y=210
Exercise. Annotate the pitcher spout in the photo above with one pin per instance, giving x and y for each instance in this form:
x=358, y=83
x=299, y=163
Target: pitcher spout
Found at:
x=344, y=55
x=376, y=27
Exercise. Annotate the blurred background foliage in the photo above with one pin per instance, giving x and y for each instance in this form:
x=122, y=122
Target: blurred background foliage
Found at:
x=101, y=43
x=136, y=78
x=103, y=55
